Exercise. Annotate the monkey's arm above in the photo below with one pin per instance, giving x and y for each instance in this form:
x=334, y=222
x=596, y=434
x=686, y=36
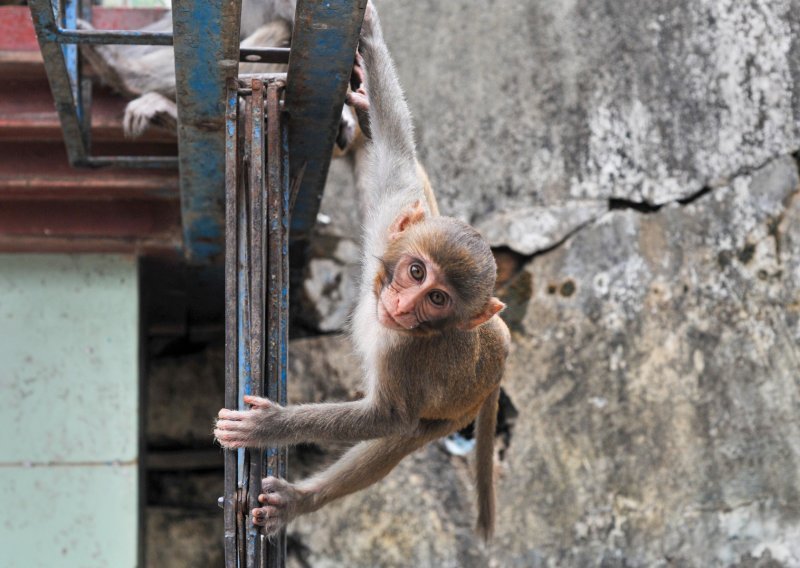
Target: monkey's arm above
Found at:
x=267, y=423
x=391, y=182
x=390, y=118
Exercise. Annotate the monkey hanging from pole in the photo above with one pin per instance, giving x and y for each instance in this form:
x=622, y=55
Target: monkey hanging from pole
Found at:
x=425, y=326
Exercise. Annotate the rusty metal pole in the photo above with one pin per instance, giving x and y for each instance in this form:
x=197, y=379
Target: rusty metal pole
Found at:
x=255, y=134
x=257, y=227
x=231, y=335
x=277, y=230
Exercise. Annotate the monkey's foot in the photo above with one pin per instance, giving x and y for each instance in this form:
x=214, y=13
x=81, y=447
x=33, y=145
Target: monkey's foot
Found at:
x=282, y=502
x=151, y=109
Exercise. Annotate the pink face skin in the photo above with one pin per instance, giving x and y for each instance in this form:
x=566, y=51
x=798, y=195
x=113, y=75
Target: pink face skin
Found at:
x=417, y=294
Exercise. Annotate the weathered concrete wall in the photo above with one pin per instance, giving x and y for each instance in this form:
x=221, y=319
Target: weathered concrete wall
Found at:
x=69, y=386
x=637, y=158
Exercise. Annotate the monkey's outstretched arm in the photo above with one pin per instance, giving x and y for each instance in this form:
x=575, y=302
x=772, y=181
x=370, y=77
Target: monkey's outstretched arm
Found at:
x=361, y=466
x=392, y=180
x=390, y=120
x=267, y=423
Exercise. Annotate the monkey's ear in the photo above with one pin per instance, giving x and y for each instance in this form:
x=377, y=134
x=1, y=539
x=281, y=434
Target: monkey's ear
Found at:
x=412, y=214
x=492, y=307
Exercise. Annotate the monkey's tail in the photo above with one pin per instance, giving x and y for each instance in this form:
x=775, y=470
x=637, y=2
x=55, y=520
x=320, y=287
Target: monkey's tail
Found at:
x=484, y=464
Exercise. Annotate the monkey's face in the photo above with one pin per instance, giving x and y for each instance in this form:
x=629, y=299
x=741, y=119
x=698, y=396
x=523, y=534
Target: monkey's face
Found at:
x=414, y=296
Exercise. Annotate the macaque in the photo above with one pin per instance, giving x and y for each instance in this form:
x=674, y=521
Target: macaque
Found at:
x=146, y=73
x=426, y=328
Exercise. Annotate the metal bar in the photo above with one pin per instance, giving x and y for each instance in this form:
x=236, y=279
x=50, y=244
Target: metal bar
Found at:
x=276, y=313
x=283, y=466
x=154, y=162
x=256, y=135
x=85, y=93
x=231, y=386
x=206, y=40
x=264, y=54
x=323, y=48
x=72, y=62
x=109, y=37
x=58, y=76
x=243, y=343
x=272, y=197
x=246, y=80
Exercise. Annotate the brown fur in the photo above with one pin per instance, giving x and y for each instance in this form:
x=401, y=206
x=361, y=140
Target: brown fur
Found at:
x=427, y=188
x=484, y=464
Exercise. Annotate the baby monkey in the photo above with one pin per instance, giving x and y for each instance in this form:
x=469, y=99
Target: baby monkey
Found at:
x=425, y=326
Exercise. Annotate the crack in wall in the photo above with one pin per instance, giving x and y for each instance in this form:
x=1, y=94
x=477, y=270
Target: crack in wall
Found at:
x=622, y=204
x=615, y=203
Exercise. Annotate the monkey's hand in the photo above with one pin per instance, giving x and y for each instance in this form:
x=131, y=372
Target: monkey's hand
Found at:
x=357, y=97
x=248, y=428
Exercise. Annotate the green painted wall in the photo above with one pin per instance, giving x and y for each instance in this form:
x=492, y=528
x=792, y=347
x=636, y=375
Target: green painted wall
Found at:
x=69, y=387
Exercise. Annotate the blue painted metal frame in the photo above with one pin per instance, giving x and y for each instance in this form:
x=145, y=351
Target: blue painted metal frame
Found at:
x=60, y=75
x=321, y=60
x=206, y=42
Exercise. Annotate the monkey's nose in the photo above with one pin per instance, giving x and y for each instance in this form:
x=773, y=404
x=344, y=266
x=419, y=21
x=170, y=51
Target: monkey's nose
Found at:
x=404, y=306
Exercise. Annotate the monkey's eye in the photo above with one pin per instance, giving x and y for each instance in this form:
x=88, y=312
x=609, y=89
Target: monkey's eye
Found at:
x=438, y=298
x=417, y=272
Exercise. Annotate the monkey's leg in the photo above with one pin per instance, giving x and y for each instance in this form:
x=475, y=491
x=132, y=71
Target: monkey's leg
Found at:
x=360, y=467
x=103, y=60
x=133, y=69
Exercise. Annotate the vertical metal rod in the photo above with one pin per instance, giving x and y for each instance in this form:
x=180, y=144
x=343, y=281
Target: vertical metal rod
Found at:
x=277, y=252
x=243, y=345
x=256, y=134
x=70, y=20
x=274, y=266
x=85, y=95
x=286, y=189
x=58, y=76
x=231, y=385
